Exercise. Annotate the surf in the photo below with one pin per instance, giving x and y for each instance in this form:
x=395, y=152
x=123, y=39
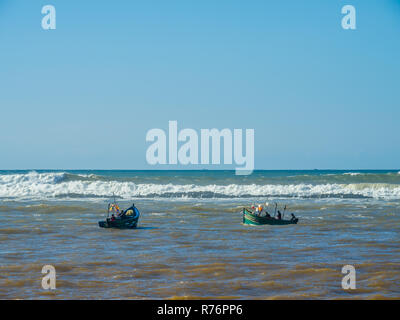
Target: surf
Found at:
x=66, y=185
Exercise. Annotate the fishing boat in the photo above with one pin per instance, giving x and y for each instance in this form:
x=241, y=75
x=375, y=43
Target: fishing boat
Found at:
x=251, y=218
x=120, y=219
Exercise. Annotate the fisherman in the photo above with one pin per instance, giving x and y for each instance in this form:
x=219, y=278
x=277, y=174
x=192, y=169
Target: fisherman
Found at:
x=112, y=217
x=260, y=209
x=293, y=217
x=279, y=215
x=131, y=208
x=132, y=211
x=266, y=212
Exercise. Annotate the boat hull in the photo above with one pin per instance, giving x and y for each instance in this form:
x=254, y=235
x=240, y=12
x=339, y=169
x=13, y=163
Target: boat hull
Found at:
x=250, y=218
x=126, y=223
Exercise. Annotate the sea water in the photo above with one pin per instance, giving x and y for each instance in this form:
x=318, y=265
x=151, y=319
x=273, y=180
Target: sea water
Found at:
x=191, y=242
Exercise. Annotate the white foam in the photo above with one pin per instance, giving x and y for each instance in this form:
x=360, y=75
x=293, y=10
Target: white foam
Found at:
x=352, y=173
x=35, y=185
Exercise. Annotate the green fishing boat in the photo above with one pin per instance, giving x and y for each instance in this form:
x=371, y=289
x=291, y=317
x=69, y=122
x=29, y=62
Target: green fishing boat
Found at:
x=251, y=218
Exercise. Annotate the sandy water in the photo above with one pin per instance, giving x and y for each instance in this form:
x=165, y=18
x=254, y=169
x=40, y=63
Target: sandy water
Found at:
x=200, y=249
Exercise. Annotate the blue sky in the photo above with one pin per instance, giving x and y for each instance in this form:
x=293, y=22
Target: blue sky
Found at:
x=83, y=96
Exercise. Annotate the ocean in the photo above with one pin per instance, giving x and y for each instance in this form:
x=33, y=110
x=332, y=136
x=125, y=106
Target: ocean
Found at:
x=191, y=242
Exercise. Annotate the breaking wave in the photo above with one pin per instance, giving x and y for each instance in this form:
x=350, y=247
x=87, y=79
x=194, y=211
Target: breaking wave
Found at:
x=36, y=186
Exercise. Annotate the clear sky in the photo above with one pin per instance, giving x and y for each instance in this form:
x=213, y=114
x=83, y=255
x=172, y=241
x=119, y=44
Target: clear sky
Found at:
x=83, y=96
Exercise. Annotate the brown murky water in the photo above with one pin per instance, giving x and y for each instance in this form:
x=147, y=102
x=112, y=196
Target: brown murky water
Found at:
x=199, y=248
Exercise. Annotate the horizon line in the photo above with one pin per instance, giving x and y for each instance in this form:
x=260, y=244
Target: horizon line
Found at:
x=315, y=169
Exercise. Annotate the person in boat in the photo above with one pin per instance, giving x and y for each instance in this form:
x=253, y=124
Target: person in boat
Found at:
x=112, y=217
x=260, y=209
x=122, y=214
x=293, y=217
x=267, y=215
x=132, y=207
x=131, y=211
x=279, y=215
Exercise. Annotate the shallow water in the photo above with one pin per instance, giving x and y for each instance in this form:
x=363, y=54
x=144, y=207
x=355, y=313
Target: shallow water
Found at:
x=199, y=248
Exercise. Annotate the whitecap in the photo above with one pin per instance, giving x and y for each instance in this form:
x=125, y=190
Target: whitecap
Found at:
x=40, y=186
